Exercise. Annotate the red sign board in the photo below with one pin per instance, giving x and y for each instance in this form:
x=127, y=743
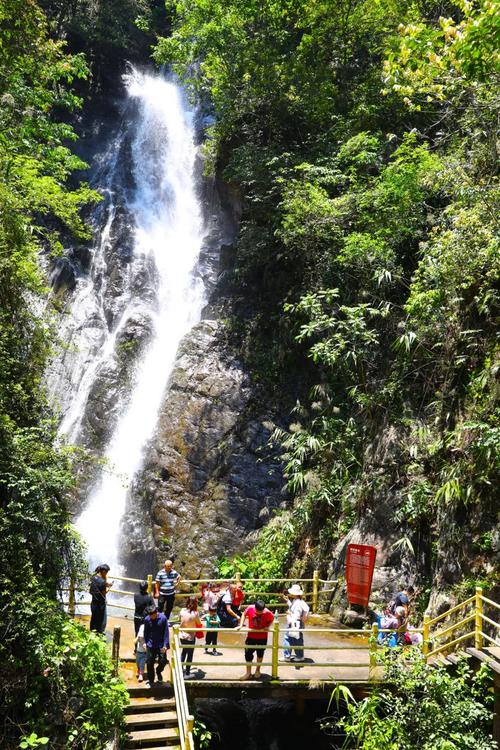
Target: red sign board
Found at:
x=359, y=565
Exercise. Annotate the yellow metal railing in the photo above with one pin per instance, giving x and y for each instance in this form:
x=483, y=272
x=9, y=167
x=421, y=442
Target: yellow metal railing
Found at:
x=473, y=610
x=312, y=584
x=477, y=614
x=185, y=720
x=275, y=646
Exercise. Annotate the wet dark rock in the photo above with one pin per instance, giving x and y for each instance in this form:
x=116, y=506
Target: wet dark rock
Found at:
x=209, y=478
x=63, y=275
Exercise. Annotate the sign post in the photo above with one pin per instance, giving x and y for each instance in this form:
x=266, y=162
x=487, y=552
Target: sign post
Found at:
x=360, y=562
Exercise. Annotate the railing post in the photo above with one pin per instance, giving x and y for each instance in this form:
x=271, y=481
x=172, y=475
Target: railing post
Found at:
x=315, y=591
x=275, y=649
x=426, y=636
x=237, y=578
x=116, y=649
x=478, y=631
x=150, y=583
x=71, y=598
x=189, y=731
x=172, y=668
x=373, y=651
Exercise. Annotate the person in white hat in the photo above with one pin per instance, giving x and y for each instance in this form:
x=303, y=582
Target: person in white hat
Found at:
x=298, y=612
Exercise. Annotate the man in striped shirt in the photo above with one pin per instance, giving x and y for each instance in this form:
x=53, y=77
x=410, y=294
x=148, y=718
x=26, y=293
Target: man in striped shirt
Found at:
x=166, y=583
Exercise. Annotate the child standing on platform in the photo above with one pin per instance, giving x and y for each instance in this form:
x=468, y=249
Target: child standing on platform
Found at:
x=211, y=621
x=140, y=654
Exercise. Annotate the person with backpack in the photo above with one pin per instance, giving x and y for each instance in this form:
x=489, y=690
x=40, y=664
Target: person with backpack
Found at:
x=189, y=619
x=402, y=599
x=227, y=614
x=142, y=600
x=99, y=587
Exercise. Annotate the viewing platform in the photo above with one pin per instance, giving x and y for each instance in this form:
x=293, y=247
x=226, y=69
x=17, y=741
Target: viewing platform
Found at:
x=332, y=655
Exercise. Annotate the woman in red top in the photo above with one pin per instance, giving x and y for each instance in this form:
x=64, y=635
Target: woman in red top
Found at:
x=238, y=597
x=259, y=618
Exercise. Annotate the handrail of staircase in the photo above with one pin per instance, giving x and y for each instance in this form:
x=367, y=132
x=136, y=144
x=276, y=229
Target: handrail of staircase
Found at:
x=184, y=718
x=448, y=612
x=490, y=602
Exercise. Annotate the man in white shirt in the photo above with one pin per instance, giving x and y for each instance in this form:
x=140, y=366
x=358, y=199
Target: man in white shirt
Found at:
x=298, y=612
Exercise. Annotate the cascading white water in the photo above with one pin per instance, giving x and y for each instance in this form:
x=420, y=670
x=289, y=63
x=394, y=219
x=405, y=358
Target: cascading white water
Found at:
x=169, y=231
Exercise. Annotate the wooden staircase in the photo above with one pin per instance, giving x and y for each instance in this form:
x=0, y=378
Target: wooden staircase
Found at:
x=151, y=719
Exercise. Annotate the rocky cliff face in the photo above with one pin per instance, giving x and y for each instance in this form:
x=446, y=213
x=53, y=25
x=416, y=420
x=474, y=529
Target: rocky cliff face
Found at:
x=209, y=479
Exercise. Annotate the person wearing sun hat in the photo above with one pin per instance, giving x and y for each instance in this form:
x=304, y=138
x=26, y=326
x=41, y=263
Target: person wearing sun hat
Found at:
x=298, y=612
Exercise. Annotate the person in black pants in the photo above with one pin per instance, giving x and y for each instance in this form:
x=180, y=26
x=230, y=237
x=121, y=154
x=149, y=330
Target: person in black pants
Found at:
x=142, y=600
x=157, y=640
x=99, y=587
x=166, y=583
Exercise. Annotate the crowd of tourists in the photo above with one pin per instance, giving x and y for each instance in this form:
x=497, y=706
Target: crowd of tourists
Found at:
x=219, y=609
x=223, y=608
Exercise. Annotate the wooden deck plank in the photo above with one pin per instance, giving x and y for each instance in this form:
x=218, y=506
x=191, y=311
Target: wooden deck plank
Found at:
x=484, y=657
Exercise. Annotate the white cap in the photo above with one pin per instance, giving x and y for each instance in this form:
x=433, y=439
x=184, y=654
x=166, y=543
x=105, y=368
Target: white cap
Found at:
x=295, y=590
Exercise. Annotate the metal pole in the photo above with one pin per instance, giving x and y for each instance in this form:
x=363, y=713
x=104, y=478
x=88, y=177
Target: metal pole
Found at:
x=315, y=591
x=189, y=731
x=426, y=636
x=275, y=650
x=478, y=629
x=373, y=651
x=116, y=649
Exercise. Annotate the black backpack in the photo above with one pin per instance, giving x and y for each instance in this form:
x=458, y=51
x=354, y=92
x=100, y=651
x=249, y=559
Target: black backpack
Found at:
x=221, y=606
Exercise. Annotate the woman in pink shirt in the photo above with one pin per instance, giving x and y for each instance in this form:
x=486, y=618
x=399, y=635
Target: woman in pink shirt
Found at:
x=189, y=618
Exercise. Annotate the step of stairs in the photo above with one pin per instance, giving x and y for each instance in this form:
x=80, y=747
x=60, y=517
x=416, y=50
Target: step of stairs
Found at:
x=487, y=656
x=149, y=737
x=151, y=719
x=157, y=690
x=167, y=718
x=149, y=704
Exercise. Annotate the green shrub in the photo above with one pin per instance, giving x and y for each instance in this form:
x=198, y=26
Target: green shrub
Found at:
x=420, y=707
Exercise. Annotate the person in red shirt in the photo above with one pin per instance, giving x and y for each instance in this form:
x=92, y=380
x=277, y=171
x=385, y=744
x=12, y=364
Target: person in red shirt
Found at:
x=238, y=597
x=259, y=618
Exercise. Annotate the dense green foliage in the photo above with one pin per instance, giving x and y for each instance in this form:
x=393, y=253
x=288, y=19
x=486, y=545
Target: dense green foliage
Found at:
x=361, y=138
x=420, y=708
x=56, y=678
x=110, y=33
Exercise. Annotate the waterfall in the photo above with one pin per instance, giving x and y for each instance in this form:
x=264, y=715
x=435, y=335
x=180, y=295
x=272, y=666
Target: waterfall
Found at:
x=166, y=239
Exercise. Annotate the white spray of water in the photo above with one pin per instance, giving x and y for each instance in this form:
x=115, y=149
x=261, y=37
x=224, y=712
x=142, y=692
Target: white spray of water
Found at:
x=168, y=229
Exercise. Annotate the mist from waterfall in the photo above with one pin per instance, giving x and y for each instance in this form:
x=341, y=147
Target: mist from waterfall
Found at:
x=168, y=234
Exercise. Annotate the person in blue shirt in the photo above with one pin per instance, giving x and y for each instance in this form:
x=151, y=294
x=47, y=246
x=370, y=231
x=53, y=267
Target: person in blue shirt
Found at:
x=156, y=638
x=166, y=583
